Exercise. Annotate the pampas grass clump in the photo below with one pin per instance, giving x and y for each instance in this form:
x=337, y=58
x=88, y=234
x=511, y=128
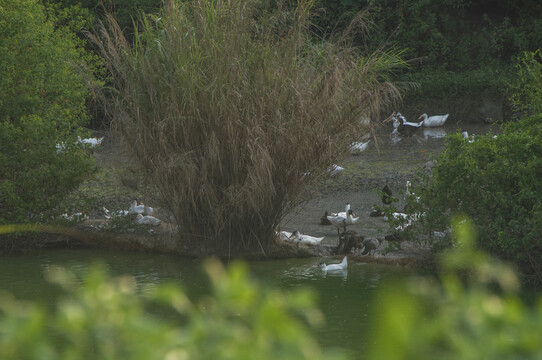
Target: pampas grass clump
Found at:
x=231, y=111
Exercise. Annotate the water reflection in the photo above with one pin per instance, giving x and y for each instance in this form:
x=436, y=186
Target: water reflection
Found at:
x=434, y=133
x=335, y=273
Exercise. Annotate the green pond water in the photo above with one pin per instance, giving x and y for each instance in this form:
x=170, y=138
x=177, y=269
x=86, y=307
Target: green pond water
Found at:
x=347, y=300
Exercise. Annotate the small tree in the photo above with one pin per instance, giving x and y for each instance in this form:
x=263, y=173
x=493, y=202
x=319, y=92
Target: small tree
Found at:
x=231, y=111
x=42, y=107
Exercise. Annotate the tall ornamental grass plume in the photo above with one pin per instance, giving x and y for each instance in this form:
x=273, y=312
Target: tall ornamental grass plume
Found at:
x=231, y=111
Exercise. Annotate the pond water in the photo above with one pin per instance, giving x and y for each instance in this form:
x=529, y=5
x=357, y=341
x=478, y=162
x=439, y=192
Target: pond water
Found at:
x=345, y=299
x=387, y=151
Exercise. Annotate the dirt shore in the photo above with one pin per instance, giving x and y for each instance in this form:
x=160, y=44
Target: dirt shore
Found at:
x=117, y=181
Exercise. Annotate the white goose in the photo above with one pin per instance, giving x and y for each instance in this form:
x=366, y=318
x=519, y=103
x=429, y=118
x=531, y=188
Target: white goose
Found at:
x=433, y=121
x=140, y=209
x=334, y=267
x=298, y=238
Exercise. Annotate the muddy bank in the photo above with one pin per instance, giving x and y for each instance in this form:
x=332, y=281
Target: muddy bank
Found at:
x=388, y=161
x=117, y=182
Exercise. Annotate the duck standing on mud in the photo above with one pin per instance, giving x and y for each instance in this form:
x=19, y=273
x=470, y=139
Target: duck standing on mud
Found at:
x=341, y=221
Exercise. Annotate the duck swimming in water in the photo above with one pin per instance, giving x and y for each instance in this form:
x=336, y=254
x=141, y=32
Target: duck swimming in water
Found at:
x=334, y=267
x=407, y=128
x=433, y=121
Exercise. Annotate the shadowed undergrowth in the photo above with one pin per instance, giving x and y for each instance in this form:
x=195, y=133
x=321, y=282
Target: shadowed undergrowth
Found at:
x=231, y=111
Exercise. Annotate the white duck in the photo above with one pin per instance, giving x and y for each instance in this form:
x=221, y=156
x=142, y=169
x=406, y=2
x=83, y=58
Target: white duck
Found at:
x=285, y=235
x=93, y=142
x=334, y=169
x=342, y=221
x=140, y=209
x=334, y=267
x=433, y=121
x=147, y=220
x=358, y=147
x=342, y=213
x=299, y=238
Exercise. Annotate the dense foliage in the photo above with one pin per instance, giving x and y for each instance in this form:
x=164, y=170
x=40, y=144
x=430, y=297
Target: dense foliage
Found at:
x=475, y=310
x=127, y=12
x=448, y=35
x=476, y=39
x=42, y=109
x=527, y=89
x=495, y=180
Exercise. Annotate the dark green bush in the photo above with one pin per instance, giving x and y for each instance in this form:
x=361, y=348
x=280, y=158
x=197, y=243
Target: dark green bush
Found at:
x=444, y=84
x=494, y=179
x=42, y=105
x=527, y=89
x=497, y=182
x=449, y=35
x=475, y=310
x=124, y=11
x=456, y=48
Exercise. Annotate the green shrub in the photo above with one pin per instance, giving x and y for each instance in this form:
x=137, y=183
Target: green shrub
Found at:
x=442, y=84
x=495, y=181
x=527, y=90
x=124, y=11
x=105, y=318
x=448, y=35
x=42, y=105
x=474, y=310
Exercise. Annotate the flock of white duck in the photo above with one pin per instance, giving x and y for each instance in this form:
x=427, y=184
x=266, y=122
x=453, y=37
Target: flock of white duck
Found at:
x=141, y=214
x=345, y=218
x=400, y=126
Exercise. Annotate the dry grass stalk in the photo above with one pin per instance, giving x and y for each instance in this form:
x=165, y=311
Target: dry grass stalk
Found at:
x=231, y=112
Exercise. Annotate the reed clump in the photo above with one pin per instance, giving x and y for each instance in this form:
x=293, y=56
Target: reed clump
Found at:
x=231, y=111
